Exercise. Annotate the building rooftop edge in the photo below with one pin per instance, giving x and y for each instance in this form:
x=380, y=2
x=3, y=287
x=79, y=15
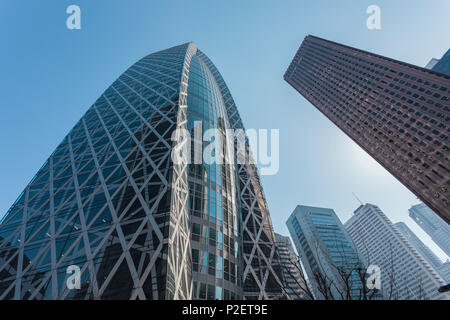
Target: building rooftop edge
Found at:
x=382, y=57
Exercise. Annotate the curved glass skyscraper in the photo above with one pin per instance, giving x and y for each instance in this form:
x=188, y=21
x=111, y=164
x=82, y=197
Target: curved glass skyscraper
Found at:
x=116, y=213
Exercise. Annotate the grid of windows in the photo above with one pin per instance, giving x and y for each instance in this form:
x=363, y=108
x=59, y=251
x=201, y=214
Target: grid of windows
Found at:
x=262, y=275
x=423, y=249
x=430, y=222
x=295, y=284
x=326, y=252
x=398, y=113
x=405, y=274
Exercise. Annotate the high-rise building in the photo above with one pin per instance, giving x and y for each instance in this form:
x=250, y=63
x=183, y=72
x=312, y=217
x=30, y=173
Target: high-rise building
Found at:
x=295, y=282
x=326, y=252
x=405, y=274
x=433, y=225
x=118, y=202
x=397, y=112
x=419, y=245
x=442, y=65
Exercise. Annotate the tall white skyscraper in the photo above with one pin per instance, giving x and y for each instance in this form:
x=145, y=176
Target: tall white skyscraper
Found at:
x=405, y=274
x=432, y=224
x=419, y=245
x=326, y=252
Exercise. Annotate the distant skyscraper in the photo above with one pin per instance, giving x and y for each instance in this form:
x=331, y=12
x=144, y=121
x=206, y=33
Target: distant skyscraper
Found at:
x=397, y=112
x=432, y=224
x=432, y=63
x=292, y=273
x=325, y=248
x=419, y=245
x=405, y=274
x=443, y=65
x=112, y=200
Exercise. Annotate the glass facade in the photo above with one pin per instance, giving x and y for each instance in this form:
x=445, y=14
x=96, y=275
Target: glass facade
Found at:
x=443, y=65
x=261, y=274
x=423, y=249
x=433, y=225
x=102, y=201
x=213, y=205
x=112, y=202
x=326, y=252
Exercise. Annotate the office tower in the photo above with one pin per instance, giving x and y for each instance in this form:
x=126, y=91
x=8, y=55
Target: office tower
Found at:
x=432, y=259
x=114, y=201
x=433, y=225
x=326, y=252
x=445, y=271
x=397, y=112
x=443, y=65
x=295, y=283
x=405, y=274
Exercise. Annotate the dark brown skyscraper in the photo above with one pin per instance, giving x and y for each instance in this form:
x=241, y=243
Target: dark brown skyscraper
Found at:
x=397, y=112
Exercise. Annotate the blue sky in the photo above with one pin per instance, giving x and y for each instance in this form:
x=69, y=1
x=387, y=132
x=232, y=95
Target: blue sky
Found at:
x=52, y=75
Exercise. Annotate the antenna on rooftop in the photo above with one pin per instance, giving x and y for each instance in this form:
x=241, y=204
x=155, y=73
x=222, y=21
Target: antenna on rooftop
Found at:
x=357, y=198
